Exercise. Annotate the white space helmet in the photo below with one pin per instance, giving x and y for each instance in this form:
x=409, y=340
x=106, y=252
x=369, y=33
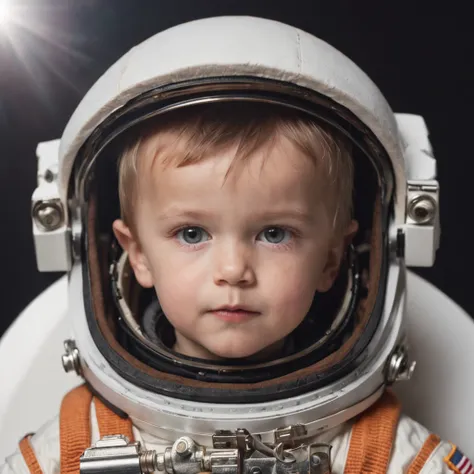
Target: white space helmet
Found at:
x=332, y=374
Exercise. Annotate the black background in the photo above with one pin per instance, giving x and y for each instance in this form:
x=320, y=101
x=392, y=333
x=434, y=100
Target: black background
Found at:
x=421, y=60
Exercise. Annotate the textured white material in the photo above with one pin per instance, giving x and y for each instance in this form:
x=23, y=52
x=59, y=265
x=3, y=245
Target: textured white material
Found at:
x=421, y=241
x=441, y=393
x=52, y=249
x=420, y=245
x=419, y=161
x=48, y=156
x=33, y=381
x=232, y=46
x=439, y=396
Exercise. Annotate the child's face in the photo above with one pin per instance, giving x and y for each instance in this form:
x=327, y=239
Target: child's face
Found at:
x=235, y=261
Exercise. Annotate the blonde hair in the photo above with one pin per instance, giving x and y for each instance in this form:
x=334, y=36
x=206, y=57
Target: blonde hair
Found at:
x=203, y=130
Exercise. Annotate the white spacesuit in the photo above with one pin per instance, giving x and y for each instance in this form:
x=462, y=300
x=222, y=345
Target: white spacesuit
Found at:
x=326, y=407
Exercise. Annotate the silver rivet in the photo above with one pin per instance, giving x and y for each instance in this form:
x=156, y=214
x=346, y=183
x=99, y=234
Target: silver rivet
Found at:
x=182, y=447
x=400, y=368
x=48, y=215
x=422, y=209
x=71, y=360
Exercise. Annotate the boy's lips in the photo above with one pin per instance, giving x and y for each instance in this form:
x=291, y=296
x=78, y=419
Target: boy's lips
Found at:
x=234, y=313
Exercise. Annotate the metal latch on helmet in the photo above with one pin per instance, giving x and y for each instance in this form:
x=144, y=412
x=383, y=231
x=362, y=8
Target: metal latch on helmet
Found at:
x=287, y=436
x=239, y=453
x=51, y=235
x=71, y=359
x=399, y=365
x=421, y=231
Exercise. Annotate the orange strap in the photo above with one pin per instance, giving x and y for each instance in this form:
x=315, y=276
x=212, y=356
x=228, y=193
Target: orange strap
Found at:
x=373, y=436
x=75, y=430
x=110, y=423
x=74, y=426
x=427, y=449
x=29, y=456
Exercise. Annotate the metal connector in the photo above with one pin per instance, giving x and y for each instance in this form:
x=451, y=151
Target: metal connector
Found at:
x=399, y=367
x=71, y=359
x=422, y=227
x=116, y=455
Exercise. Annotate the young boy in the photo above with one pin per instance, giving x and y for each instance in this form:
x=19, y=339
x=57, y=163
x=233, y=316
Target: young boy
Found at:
x=251, y=212
x=249, y=325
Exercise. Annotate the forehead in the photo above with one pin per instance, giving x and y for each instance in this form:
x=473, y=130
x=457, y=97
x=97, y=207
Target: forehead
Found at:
x=277, y=167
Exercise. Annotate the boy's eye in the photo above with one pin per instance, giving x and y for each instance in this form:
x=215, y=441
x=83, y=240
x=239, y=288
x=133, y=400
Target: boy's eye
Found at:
x=192, y=235
x=275, y=235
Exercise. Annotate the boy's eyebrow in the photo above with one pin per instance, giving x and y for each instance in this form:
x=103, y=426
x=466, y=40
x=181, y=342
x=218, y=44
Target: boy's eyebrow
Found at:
x=293, y=213
x=175, y=212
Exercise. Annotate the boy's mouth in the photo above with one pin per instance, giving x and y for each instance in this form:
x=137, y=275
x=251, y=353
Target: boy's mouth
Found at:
x=234, y=313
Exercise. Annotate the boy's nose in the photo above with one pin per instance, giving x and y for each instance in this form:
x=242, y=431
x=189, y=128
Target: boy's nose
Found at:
x=233, y=266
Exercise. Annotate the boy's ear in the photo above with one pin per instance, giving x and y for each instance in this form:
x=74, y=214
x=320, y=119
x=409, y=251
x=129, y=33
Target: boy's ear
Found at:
x=350, y=233
x=137, y=258
x=335, y=254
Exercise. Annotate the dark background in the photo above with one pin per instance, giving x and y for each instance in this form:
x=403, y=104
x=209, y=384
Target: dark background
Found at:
x=421, y=60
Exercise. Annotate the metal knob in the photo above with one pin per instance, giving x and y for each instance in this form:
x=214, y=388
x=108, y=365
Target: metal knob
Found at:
x=399, y=367
x=422, y=209
x=71, y=360
x=48, y=215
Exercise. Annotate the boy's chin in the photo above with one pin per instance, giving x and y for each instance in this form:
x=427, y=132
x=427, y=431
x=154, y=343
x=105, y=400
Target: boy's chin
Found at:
x=226, y=354
x=245, y=350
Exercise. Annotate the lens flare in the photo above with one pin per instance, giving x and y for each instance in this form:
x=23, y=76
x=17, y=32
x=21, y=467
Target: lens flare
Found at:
x=4, y=12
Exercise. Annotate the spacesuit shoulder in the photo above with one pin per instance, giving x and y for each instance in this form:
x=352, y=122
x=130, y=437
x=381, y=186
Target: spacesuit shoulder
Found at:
x=417, y=446
x=46, y=447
